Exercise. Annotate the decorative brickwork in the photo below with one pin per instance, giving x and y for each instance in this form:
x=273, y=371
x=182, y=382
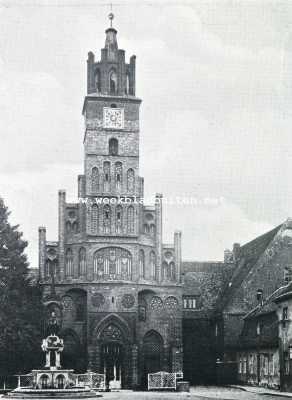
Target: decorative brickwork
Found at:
x=107, y=266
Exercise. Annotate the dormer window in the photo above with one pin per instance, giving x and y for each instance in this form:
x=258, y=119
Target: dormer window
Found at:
x=285, y=314
x=288, y=274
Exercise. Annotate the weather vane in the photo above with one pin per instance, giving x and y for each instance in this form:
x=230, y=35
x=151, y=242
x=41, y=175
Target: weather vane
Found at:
x=111, y=15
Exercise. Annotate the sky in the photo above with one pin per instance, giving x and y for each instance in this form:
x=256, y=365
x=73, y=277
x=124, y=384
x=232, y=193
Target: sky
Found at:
x=216, y=117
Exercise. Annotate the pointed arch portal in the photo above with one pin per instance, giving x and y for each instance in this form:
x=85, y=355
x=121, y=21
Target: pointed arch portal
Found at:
x=112, y=334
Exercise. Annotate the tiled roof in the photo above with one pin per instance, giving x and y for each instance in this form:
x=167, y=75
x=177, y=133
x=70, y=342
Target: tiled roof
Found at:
x=265, y=315
x=206, y=280
x=201, y=266
x=249, y=254
x=268, y=337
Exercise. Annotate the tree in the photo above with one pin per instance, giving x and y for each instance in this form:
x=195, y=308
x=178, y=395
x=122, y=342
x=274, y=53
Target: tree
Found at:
x=20, y=303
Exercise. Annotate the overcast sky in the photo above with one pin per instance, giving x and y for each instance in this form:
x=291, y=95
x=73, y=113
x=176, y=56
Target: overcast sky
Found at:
x=216, y=118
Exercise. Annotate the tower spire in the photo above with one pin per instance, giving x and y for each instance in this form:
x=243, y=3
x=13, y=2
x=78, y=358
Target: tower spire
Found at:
x=111, y=16
x=111, y=36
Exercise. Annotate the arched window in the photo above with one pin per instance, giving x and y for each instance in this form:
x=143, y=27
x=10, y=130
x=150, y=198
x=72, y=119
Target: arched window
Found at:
x=88, y=219
x=97, y=80
x=106, y=219
x=113, y=82
x=75, y=227
x=127, y=88
x=130, y=180
x=69, y=263
x=112, y=263
x=94, y=219
x=172, y=271
x=54, y=267
x=107, y=176
x=113, y=146
x=142, y=314
x=142, y=263
x=82, y=262
x=94, y=180
x=68, y=227
x=130, y=220
x=118, y=175
x=146, y=229
x=119, y=219
x=164, y=270
x=47, y=269
x=153, y=265
x=152, y=229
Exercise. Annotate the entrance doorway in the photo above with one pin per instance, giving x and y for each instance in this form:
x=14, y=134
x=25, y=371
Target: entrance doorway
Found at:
x=152, y=353
x=112, y=364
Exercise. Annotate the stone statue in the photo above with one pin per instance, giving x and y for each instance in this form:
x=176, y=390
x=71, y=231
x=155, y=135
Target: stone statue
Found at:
x=53, y=327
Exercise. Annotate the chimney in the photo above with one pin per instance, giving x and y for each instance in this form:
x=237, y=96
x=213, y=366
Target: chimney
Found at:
x=228, y=256
x=236, y=251
x=260, y=297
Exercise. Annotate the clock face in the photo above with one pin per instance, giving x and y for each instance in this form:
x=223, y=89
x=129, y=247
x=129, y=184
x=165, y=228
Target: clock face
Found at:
x=113, y=118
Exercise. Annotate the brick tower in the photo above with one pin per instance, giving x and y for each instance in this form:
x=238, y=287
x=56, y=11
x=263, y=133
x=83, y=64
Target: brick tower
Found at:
x=114, y=286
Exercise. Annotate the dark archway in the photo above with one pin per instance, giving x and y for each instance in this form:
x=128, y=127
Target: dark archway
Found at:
x=152, y=354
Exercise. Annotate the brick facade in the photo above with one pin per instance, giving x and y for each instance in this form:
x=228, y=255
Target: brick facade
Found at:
x=116, y=287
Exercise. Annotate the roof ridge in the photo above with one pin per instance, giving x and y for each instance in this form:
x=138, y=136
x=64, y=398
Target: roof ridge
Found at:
x=276, y=229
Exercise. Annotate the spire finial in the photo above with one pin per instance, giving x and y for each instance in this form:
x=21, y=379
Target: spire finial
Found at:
x=111, y=15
